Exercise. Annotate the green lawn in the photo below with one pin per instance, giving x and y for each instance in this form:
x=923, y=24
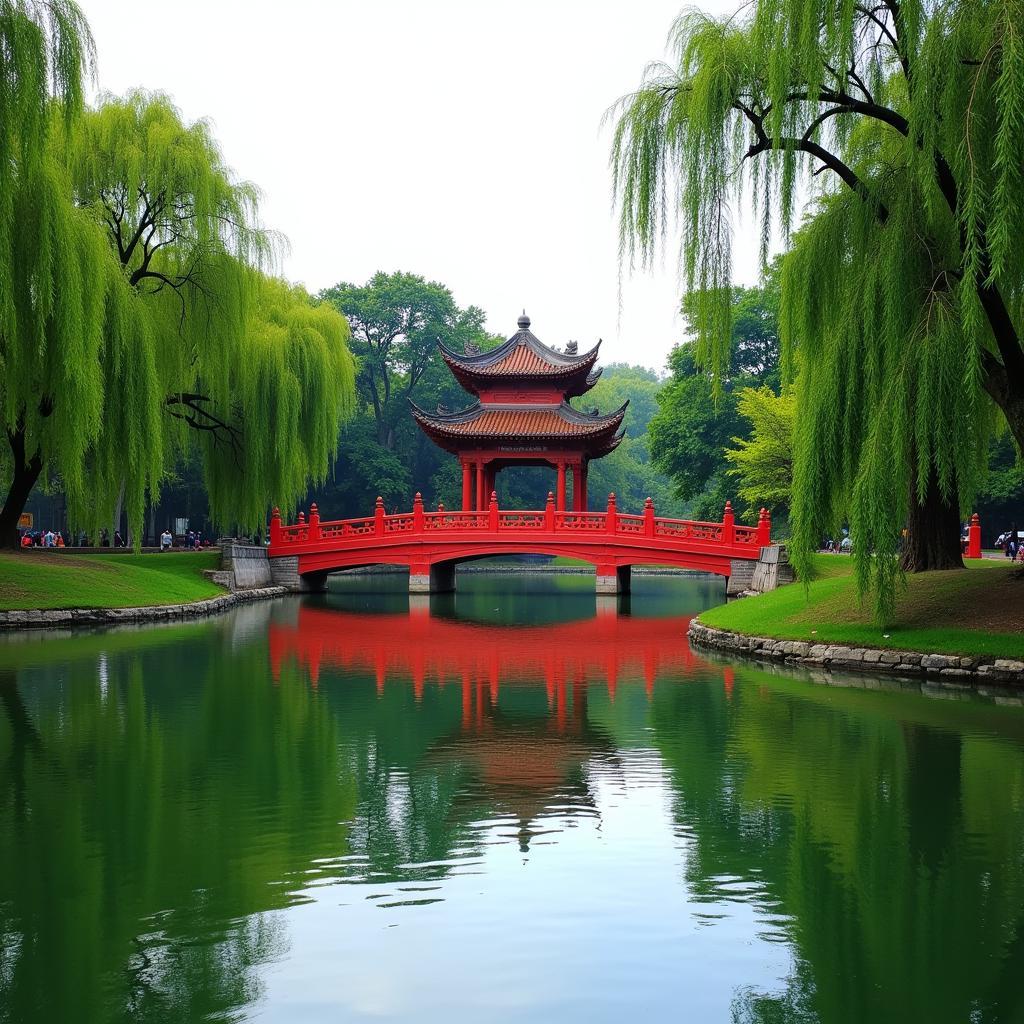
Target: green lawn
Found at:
x=51, y=580
x=979, y=610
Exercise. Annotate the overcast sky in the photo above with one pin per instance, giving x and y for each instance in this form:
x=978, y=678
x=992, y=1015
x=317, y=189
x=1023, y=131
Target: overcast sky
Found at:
x=457, y=139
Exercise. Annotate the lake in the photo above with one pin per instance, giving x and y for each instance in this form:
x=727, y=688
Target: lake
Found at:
x=516, y=803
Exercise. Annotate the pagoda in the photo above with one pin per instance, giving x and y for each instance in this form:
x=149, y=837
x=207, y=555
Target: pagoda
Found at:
x=522, y=416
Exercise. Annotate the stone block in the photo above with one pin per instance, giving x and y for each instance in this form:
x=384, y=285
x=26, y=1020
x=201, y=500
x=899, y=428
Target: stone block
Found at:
x=1009, y=665
x=934, y=662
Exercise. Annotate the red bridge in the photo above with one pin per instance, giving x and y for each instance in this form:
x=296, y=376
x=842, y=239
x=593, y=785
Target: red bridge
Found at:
x=432, y=543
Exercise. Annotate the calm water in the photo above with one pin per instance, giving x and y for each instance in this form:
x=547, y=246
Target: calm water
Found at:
x=513, y=805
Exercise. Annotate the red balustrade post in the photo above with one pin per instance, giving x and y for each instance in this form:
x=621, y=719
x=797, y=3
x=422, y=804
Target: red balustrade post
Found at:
x=302, y=526
x=728, y=525
x=492, y=512
x=648, y=518
x=612, y=519
x=549, y=513
x=974, y=537
x=314, y=522
x=417, y=513
x=378, y=517
x=275, y=526
x=764, y=528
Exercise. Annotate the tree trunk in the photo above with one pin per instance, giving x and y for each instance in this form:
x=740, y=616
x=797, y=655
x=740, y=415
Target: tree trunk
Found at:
x=933, y=531
x=117, y=514
x=23, y=479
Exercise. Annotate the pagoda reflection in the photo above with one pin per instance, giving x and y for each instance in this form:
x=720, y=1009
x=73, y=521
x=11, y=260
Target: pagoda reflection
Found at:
x=521, y=738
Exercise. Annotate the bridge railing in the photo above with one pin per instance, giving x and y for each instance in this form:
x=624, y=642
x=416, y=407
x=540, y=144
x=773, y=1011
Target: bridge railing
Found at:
x=444, y=524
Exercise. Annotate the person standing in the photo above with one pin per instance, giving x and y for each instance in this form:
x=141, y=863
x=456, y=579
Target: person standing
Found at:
x=166, y=540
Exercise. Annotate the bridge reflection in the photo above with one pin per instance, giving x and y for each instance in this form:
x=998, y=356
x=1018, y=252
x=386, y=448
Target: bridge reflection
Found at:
x=481, y=658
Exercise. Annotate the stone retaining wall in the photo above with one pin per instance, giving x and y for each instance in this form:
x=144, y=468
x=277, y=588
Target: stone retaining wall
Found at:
x=44, y=618
x=248, y=563
x=949, y=668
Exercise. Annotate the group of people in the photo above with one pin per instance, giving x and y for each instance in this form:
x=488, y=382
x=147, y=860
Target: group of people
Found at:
x=192, y=541
x=1012, y=544
x=39, y=539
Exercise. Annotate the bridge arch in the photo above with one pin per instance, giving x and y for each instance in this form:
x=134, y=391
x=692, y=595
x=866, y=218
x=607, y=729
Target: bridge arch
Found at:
x=431, y=544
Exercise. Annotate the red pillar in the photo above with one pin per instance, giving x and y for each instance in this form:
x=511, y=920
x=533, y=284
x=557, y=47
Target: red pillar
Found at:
x=728, y=525
x=577, y=487
x=584, y=504
x=560, y=494
x=481, y=499
x=467, y=487
x=974, y=537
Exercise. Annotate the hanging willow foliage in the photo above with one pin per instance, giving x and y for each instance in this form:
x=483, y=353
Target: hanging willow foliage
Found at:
x=45, y=51
x=903, y=123
x=147, y=321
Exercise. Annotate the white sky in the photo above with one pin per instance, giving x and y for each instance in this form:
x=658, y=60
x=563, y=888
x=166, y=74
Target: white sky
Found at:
x=457, y=139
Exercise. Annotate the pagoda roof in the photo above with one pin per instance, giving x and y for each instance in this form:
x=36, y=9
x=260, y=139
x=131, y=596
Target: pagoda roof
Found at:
x=523, y=424
x=524, y=357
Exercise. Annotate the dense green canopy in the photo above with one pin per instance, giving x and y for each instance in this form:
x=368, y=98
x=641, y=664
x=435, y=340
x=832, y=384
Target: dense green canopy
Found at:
x=145, y=321
x=905, y=122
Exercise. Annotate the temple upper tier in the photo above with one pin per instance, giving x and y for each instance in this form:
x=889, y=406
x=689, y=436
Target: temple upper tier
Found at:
x=522, y=415
x=524, y=361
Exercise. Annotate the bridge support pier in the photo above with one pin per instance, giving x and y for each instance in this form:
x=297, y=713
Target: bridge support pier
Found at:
x=432, y=579
x=613, y=579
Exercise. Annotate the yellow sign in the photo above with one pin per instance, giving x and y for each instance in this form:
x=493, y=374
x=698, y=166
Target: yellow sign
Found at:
x=25, y=521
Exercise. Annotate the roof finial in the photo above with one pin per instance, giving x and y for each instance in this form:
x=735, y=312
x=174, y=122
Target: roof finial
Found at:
x=524, y=321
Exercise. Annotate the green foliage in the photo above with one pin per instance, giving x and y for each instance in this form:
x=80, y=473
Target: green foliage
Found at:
x=629, y=471
x=694, y=426
x=45, y=51
x=397, y=322
x=903, y=289
x=763, y=463
x=146, y=323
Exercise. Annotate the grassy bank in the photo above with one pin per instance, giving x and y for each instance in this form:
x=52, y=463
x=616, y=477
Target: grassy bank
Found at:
x=979, y=610
x=51, y=580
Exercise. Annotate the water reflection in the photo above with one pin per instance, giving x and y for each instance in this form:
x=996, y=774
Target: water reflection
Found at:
x=352, y=808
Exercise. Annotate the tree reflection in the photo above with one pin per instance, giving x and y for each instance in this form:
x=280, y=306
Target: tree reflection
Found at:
x=889, y=831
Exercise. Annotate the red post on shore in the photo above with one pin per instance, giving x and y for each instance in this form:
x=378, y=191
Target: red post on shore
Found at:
x=549, y=513
x=378, y=517
x=275, y=526
x=764, y=528
x=728, y=525
x=417, y=513
x=612, y=519
x=648, y=518
x=974, y=537
x=492, y=512
x=314, y=522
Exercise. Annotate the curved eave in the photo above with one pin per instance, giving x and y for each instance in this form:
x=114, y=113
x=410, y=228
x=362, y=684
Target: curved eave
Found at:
x=454, y=432
x=483, y=370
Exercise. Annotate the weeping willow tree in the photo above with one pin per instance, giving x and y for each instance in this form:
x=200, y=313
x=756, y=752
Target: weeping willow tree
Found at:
x=46, y=54
x=902, y=125
x=147, y=321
